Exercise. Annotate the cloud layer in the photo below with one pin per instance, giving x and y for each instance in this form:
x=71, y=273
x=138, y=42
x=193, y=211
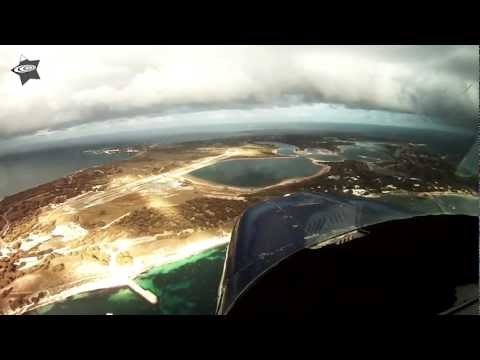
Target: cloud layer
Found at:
x=85, y=84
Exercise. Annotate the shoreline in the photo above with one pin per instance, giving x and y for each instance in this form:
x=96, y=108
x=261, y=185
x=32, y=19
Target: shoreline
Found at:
x=324, y=169
x=183, y=252
x=109, y=282
x=153, y=188
x=73, y=172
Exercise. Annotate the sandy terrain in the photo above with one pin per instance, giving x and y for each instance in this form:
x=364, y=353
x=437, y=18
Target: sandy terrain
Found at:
x=111, y=232
x=102, y=227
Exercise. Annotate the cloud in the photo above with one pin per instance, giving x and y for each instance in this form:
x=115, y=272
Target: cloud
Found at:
x=87, y=84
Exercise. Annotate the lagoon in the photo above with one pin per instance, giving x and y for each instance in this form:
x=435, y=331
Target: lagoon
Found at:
x=256, y=172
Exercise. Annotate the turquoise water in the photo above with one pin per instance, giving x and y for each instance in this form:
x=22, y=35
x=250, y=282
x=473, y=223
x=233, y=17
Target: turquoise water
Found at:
x=188, y=286
x=256, y=172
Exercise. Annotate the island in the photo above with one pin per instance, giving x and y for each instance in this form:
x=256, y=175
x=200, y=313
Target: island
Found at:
x=101, y=227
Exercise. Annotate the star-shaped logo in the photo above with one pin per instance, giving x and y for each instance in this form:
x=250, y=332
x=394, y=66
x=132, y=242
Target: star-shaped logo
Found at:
x=27, y=69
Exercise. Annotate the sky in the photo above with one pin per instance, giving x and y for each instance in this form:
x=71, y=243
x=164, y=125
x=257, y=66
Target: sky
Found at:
x=91, y=90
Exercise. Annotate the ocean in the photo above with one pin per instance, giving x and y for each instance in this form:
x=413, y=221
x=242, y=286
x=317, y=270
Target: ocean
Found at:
x=20, y=172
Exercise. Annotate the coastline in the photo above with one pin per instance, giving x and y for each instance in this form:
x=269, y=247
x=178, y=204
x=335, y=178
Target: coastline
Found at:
x=153, y=190
x=70, y=173
x=324, y=169
x=102, y=283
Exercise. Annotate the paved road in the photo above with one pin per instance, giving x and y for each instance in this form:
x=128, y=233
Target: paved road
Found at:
x=91, y=200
